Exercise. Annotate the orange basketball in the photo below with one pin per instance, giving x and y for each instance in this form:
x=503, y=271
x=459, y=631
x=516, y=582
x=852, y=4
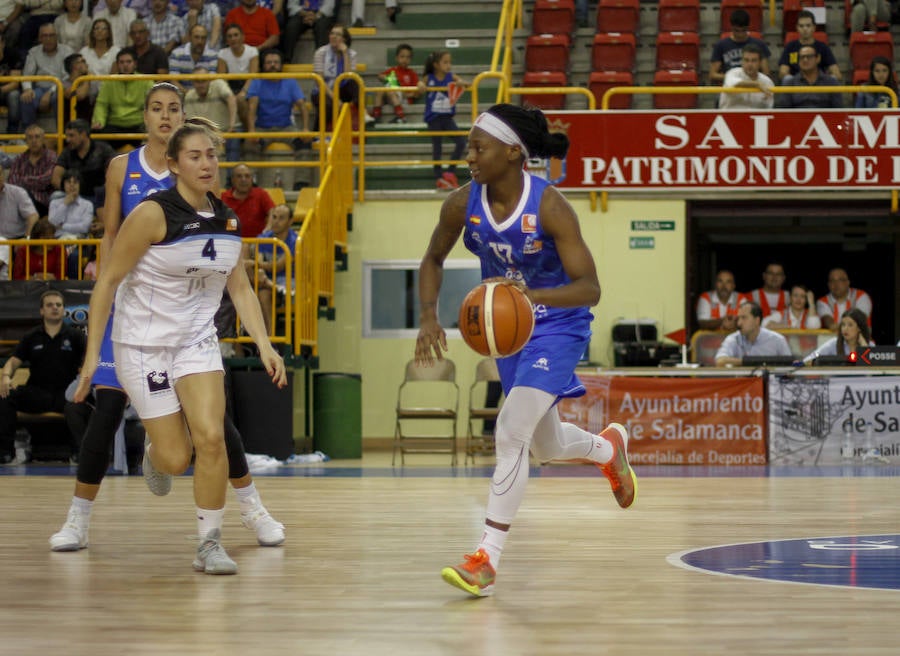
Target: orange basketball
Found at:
x=496, y=319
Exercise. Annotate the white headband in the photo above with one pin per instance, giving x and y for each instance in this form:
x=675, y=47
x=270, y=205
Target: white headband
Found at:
x=498, y=129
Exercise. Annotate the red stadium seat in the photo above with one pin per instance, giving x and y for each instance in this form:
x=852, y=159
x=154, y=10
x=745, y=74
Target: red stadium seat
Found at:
x=794, y=7
x=678, y=50
x=752, y=7
x=553, y=17
x=547, y=52
x=679, y=16
x=545, y=79
x=755, y=35
x=675, y=78
x=618, y=16
x=613, y=52
x=860, y=76
x=602, y=81
x=793, y=36
x=865, y=45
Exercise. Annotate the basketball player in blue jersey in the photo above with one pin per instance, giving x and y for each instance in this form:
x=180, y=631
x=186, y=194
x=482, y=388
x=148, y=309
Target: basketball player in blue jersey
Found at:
x=130, y=178
x=527, y=234
x=172, y=259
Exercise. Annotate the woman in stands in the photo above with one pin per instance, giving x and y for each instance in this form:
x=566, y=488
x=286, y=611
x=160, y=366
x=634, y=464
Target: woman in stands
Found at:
x=881, y=73
x=172, y=259
x=800, y=313
x=130, y=178
x=853, y=335
x=525, y=233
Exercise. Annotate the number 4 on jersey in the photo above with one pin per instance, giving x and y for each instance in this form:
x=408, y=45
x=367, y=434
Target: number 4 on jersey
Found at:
x=209, y=250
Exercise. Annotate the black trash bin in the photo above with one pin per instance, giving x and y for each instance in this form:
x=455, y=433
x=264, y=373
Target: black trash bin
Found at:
x=337, y=414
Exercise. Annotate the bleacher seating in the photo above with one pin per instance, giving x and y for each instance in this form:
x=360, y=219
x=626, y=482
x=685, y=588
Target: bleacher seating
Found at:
x=753, y=7
x=547, y=52
x=675, y=78
x=613, y=52
x=545, y=79
x=676, y=50
x=601, y=81
x=618, y=16
x=553, y=17
x=678, y=16
x=865, y=45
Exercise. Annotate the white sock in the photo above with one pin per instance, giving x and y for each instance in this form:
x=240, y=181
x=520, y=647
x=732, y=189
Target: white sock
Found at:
x=245, y=494
x=208, y=519
x=602, y=450
x=492, y=541
x=82, y=505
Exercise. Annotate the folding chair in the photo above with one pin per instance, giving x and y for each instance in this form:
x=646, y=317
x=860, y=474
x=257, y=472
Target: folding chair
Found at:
x=478, y=442
x=427, y=395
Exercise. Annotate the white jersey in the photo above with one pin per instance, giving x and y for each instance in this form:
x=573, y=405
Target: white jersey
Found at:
x=173, y=292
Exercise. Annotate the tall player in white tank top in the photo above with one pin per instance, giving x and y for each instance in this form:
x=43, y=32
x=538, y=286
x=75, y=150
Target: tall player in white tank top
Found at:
x=129, y=178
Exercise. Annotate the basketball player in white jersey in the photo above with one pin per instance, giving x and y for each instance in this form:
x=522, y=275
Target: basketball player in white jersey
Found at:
x=170, y=263
x=130, y=178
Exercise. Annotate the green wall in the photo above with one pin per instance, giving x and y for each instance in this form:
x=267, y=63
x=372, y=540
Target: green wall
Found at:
x=636, y=283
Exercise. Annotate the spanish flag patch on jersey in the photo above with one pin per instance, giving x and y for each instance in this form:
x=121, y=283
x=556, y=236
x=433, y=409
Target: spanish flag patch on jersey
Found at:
x=135, y=175
x=475, y=219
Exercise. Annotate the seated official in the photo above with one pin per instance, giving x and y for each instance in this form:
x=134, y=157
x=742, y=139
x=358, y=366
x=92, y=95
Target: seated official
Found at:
x=854, y=334
x=750, y=339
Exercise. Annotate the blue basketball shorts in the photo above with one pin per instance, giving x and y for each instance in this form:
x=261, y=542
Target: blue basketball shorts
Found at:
x=546, y=363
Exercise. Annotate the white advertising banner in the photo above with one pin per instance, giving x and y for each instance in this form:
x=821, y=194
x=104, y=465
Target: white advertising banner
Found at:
x=834, y=420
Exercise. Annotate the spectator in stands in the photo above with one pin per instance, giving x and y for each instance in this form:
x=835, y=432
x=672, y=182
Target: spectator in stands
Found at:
x=252, y=204
x=439, y=112
x=770, y=297
x=726, y=54
x=853, y=335
x=90, y=158
x=329, y=61
x=840, y=298
x=71, y=215
x=100, y=52
x=17, y=212
x=9, y=91
x=750, y=338
x=302, y=15
x=274, y=263
x=717, y=309
x=77, y=67
x=151, y=59
x=865, y=15
x=12, y=17
x=238, y=57
x=39, y=262
x=184, y=59
x=73, y=26
x=120, y=19
x=581, y=13
x=33, y=169
x=214, y=100
x=141, y=7
x=120, y=103
x=810, y=76
x=207, y=15
x=748, y=76
x=44, y=59
x=800, y=314
x=398, y=75
x=54, y=352
x=789, y=64
x=271, y=103
x=166, y=29
x=37, y=14
x=258, y=23
x=881, y=73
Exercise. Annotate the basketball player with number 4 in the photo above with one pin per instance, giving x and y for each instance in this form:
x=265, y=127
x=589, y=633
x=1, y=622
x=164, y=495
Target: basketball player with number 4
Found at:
x=524, y=232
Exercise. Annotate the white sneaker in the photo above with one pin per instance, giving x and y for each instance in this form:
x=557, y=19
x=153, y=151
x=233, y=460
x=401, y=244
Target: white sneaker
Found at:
x=211, y=556
x=74, y=533
x=254, y=516
x=160, y=484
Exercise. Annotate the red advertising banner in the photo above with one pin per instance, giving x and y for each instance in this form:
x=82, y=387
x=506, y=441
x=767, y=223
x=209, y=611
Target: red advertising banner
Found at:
x=726, y=150
x=677, y=421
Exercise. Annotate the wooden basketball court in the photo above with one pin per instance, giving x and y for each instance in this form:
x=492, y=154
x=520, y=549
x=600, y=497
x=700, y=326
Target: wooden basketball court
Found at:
x=359, y=573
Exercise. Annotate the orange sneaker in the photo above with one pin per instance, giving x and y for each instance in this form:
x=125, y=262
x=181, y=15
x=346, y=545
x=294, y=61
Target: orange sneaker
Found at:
x=475, y=576
x=617, y=470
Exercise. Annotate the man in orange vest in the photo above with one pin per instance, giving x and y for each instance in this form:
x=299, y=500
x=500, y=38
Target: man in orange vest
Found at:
x=840, y=298
x=717, y=309
x=771, y=297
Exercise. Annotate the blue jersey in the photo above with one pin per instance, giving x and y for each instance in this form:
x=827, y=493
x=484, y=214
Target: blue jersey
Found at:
x=141, y=181
x=518, y=249
x=437, y=103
